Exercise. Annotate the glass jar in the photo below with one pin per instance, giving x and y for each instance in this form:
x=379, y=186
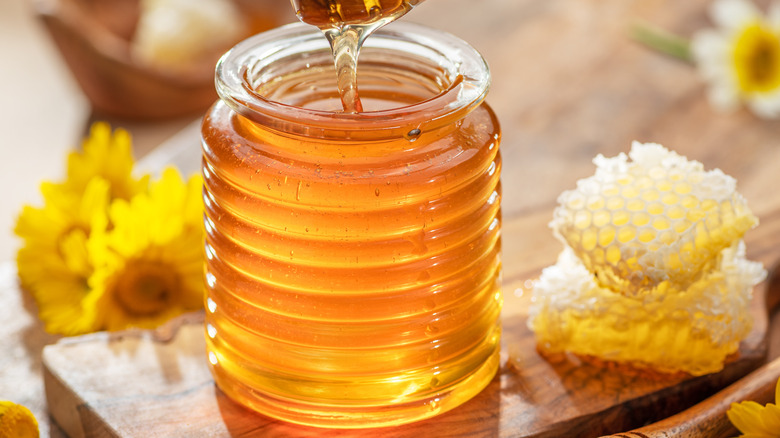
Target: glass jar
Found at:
x=352, y=260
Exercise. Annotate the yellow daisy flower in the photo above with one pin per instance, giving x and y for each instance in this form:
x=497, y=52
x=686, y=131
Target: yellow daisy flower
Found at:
x=109, y=156
x=756, y=421
x=148, y=266
x=53, y=264
x=16, y=421
x=741, y=59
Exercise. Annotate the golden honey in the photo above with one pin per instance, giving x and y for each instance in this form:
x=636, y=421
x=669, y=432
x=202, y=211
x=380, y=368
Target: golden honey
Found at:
x=352, y=260
x=329, y=13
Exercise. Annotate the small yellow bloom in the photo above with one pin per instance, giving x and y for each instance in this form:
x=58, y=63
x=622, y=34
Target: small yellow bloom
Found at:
x=53, y=264
x=16, y=421
x=109, y=156
x=756, y=421
x=149, y=265
x=741, y=59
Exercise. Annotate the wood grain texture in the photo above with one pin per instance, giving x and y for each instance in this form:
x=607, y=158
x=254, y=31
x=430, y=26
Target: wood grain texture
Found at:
x=708, y=419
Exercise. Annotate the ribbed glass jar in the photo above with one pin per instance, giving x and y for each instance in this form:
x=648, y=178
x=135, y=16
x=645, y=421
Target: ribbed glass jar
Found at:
x=352, y=260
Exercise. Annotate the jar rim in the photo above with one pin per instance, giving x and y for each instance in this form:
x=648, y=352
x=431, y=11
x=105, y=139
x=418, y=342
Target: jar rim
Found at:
x=469, y=73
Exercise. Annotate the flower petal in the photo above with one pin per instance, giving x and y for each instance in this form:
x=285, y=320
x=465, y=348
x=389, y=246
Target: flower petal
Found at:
x=733, y=14
x=777, y=392
x=724, y=98
x=746, y=416
x=765, y=106
x=773, y=16
x=771, y=419
x=709, y=45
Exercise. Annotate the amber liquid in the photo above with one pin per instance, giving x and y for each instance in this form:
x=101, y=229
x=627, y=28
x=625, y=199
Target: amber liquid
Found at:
x=346, y=24
x=352, y=283
x=334, y=13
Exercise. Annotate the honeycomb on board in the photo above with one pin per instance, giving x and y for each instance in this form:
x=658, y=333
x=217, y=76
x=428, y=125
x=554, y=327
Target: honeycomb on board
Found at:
x=653, y=271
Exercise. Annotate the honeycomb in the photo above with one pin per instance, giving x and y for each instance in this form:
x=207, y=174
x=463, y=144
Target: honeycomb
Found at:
x=656, y=222
x=653, y=271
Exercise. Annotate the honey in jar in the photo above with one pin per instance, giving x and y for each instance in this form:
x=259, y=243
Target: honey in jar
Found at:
x=352, y=259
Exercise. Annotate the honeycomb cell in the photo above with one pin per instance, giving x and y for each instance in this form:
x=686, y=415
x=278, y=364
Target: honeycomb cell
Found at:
x=620, y=218
x=670, y=199
x=613, y=255
x=661, y=223
x=589, y=238
x=640, y=219
x=630, y=192
x=611, y=190
x=606, y=236
x=690, y=202
x=675, y=212
x=595, y=203
x=676, y=175
x=647, y=235
x=635, y=205
x=582, y=219
x=616, y=203
x=601, y=218
x=650, y=195
x=626, y=234
x=681, y=226
x=682, y=188
x=655, y=209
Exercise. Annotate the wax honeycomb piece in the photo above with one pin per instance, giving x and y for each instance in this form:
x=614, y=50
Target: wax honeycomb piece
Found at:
x=658, y=221
x=653, y=271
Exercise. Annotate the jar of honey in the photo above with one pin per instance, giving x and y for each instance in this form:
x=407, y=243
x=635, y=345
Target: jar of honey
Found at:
x=352, y=259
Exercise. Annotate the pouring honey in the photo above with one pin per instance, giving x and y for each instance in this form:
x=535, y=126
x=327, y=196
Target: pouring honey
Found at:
x=346, y=24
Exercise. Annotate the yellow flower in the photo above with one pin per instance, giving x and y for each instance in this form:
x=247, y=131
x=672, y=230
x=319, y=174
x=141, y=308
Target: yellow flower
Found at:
x=16, y=421
x=741, y=59
x=103, y=239
x=756, y=421
x=149, y=265
x=109, y=156
x=53, y=264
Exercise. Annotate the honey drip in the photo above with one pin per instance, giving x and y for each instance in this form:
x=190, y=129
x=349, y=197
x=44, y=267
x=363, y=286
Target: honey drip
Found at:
x=346, y=24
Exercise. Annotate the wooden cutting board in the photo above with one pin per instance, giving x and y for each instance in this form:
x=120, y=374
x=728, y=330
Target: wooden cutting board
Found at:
x=157, y=384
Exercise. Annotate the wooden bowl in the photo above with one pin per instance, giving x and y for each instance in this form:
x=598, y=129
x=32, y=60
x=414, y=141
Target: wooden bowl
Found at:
x=94, y=37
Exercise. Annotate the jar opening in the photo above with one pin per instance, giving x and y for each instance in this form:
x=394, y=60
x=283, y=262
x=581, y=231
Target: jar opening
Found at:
x=407, y=74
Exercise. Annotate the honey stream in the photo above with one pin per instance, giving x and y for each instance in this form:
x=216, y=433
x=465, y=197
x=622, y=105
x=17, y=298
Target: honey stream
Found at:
x=346, y=24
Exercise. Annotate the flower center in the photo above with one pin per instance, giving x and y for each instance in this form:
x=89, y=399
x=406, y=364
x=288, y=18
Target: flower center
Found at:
x=146, y=288
x=757, y=59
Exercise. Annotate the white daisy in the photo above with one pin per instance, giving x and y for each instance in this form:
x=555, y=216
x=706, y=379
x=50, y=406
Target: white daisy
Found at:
x=741, y=58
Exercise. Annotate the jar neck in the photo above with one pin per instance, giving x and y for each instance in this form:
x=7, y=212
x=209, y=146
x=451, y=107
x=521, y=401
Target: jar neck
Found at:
x=417, y=79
